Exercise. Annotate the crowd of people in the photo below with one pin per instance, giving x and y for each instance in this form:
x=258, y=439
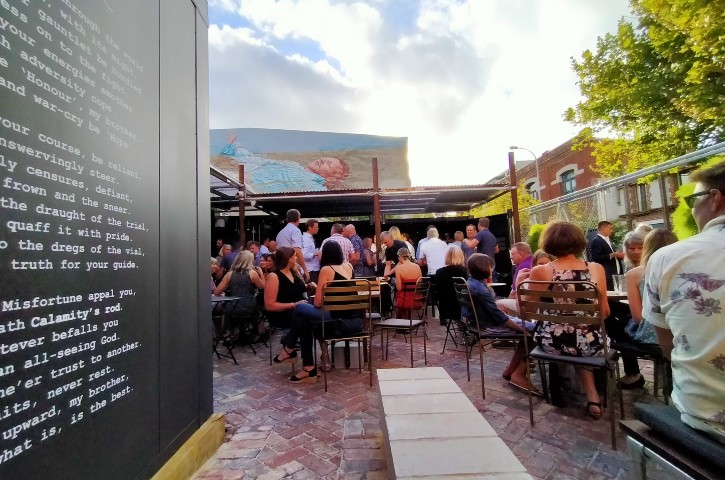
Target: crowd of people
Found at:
x=675, y=291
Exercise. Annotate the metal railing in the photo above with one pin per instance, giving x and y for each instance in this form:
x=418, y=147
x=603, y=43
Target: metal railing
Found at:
x=588, y=206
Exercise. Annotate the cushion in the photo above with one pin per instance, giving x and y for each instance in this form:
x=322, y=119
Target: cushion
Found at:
x=665, y=421
x=594, y=362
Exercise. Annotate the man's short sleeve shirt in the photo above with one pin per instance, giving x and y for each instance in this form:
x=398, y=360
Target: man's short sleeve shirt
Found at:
x=685, y=293
x=487, y=244
x=290, y=236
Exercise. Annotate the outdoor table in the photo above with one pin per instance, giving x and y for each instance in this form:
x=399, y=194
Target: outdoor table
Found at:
x=611, y=295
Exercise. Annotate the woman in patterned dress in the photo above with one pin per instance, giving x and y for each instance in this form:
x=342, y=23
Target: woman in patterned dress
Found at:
x=567, y=242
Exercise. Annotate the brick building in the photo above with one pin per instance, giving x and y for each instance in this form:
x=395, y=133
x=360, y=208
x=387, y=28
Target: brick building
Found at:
x=561, y=170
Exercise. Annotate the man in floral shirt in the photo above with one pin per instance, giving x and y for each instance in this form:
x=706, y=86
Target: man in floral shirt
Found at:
x=685, y=285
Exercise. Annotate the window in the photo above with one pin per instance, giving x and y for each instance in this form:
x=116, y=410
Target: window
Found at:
x=568, y=182
x=643, y=203
x=531, y=190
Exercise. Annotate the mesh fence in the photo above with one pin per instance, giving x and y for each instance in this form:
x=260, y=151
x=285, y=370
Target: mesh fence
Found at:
x=582, y=212
x=586, y=207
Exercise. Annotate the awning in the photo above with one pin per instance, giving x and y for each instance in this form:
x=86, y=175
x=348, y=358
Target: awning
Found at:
x=359, y=202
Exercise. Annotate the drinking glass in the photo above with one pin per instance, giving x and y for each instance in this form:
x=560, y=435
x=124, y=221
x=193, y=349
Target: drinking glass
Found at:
x=618, y=281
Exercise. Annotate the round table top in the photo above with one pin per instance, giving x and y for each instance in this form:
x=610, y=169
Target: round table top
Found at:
x=616, y=295
x=222, y=298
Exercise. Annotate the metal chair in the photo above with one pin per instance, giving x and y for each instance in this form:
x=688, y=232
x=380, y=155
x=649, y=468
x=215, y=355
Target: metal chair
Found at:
x=415, y=295
x=470, y=328
x=560, y=302
x=341, y=296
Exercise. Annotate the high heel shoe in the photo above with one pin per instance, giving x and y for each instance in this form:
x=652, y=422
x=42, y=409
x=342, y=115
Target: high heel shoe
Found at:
x=290, y=358
x=594, y=415
x=311, y=376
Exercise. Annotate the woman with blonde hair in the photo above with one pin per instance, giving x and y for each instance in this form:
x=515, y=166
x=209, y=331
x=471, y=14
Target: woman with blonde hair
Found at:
x=639, y=329
x=242, y=281
x=444, y=293
x=395, y=232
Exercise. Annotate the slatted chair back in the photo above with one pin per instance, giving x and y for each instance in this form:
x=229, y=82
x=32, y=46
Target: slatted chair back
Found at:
x=570, y=303
x=339, y=297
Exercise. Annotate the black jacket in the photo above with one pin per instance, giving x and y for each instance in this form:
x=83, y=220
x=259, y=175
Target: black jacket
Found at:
x=600, y=251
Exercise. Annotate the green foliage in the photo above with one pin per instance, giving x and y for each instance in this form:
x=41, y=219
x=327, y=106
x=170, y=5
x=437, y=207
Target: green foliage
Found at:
x=683, y=224
x=503, y=204
x=659, y=85
x=534, y=234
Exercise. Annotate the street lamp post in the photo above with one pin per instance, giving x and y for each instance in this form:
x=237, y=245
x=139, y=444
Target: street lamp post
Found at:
x=536, y=161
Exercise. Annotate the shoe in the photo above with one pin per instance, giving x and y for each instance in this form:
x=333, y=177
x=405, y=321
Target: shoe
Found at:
x=311, y=376
x=594, y=415
x=639, y=383
x=291, y=357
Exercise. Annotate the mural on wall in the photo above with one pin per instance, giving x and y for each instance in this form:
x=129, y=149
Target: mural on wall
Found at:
x=278, y=161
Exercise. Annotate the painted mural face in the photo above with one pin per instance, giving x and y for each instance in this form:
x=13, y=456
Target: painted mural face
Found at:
x=277, y=161
x=330, y=168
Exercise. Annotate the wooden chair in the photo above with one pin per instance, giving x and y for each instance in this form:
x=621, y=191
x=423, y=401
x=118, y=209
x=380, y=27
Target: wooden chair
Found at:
x=542, y=301
x=347, y=296
x=471, y=329
x=416, y=295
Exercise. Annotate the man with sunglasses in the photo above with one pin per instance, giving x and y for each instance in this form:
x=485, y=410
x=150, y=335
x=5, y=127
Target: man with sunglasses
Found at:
x=685, y=301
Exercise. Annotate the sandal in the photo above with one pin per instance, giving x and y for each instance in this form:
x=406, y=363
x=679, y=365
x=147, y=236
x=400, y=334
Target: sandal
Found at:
x=594, y=415
x=310, y=377
x=290, y=358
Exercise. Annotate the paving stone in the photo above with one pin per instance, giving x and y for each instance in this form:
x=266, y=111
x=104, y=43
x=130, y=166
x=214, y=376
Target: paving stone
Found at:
x=353, y=428
x=282, y=471
x=300, y=420
x=286, y=457
x=318, y=465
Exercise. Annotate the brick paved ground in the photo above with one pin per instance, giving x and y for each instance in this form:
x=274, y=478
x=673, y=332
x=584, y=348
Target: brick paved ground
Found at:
x=278, y=430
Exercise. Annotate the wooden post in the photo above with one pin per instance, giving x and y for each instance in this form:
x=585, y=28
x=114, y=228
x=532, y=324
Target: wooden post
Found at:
x=242, y=204
x=665, y=207
x=514, y=197
x=376, y=208
x=628, y=208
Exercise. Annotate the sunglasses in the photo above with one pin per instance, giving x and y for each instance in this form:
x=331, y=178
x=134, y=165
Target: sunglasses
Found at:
x=690, y=199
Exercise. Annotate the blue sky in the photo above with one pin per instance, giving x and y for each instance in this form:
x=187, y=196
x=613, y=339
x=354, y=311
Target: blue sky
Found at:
x=461, y=79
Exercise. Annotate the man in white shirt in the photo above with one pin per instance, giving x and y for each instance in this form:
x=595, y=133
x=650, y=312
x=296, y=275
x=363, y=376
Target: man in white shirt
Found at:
x=685, y=301
x=311, y=254
x=422, y=241
x=433, y=251
x=291, y=236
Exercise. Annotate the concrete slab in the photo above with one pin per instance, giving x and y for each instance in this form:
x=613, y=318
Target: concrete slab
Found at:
x=438, y=425
x=493, y=476
x=434, y=403
x=411, y=373
x=417, y=387
x=453, y=456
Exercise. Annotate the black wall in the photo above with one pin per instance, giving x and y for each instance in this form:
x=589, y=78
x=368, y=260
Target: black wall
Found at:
x=104, y=370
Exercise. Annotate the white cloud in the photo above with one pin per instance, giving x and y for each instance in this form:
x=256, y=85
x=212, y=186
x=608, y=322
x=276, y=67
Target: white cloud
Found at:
x=462, y=80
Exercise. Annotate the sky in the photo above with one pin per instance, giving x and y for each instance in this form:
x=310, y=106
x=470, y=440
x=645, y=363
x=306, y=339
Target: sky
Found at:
x=462, y=79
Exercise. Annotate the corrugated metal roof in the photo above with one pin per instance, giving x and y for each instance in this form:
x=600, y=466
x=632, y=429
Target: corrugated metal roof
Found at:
x=356, y=202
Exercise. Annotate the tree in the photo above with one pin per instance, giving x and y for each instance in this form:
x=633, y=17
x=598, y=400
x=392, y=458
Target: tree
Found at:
x=659, y=85
x=503, y=204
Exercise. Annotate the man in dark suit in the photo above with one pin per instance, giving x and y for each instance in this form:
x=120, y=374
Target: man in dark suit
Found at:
x=603, y=252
